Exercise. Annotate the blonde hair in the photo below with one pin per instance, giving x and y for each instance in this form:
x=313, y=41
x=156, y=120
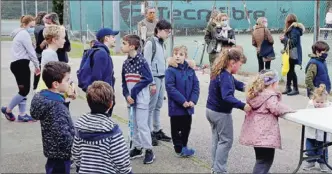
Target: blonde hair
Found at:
x=53, y=31
x=181, y=48
x=260, y=21
x=219, y=16
x=264, y=79
x=224, y=58
x=320, y=92
x=25, y=20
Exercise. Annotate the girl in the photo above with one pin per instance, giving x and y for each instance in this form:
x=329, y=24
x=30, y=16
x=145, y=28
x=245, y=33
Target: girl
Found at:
x=292, y=39
x=182, y=87
x=22, y=53
x=260, y=128
x=220, y=103
x=315, y=137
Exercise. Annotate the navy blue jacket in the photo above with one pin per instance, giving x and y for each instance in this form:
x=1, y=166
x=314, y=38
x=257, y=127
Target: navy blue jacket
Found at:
x=322, y=76
x=102, y=67
x=294, y=33
x=181, y=85
x=56, y=124
x=221, y=93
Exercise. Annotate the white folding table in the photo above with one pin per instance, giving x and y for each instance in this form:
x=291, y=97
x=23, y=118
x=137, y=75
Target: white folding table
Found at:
x=319, y=118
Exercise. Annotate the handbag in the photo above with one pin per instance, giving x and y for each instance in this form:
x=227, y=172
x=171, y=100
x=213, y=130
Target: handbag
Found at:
x=266, y=49
x=285, y=60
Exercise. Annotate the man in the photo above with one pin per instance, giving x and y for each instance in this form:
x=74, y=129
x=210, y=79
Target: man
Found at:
x=146, y=26
x=157, y=64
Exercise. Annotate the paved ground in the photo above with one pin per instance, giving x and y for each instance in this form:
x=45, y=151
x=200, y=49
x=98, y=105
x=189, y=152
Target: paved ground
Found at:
x=21, y=147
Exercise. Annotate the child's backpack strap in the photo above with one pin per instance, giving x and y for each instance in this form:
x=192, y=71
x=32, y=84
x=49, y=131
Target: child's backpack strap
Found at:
x=154, y=49
x=94, y=50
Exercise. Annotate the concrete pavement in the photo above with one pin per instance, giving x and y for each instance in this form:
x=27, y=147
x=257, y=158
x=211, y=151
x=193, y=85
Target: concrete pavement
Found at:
x=21, y=147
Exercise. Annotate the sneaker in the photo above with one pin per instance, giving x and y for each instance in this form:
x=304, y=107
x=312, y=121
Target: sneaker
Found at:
x=136, y=153
x=323, y=167
x=9, y=116
x=186, y=152
x=162, y=136
x=308, y=166
x=154, y=140
x=149, y=157
x=25, y=118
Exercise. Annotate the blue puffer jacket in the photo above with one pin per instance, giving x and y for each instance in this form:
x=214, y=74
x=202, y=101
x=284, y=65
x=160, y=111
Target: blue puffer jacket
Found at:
x=181, y=85
x=294, y=33
x=322, y=76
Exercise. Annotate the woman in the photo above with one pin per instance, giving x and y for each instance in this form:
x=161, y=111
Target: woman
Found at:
x=39, y=27
x=53, y=19
x=261, y=33
x=218, y=35
x=22, y=53
x=292, y=38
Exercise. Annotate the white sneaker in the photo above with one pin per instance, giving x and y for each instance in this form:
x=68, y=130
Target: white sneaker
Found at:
x=308, y=166
x=323, y=167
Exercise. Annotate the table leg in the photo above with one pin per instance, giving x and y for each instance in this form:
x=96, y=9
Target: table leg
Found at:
x=325, y=146
x=301, y=150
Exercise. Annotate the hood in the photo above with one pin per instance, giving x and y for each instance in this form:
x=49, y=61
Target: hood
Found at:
x=299, y=26
x=191, y=63
x=94, y=127
x=314, y=56
x=15, y=32
x=262, y=97
x=101, y=45
x=40, y=105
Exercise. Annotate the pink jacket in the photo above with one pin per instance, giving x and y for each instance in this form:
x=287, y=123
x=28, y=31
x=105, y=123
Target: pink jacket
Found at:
x=260, y=127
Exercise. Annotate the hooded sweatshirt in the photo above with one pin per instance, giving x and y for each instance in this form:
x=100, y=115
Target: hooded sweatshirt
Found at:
x=99, y=146
x=22, y=47
x=260, y=127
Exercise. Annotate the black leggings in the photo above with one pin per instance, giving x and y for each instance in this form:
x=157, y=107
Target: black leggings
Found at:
x=291, y=75
x=21, y=71
x=261, y=63
x=180, y=129
x=36, y=77
x=264, y=160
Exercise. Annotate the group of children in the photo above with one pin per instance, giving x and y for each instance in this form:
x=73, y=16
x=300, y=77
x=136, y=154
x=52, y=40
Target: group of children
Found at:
x=96, y=144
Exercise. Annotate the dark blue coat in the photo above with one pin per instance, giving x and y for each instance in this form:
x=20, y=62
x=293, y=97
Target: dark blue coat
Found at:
x=322, y=76
x=181, y=85
x=294, y=33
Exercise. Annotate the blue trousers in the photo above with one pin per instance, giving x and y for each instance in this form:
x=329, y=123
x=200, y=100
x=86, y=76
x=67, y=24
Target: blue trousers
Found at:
x=57, y=166
x=312, y=143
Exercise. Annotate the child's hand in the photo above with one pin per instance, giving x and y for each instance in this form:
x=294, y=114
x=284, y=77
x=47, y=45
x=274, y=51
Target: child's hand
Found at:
x=247, y=108
x=37, y=71
x=72, y=92
x=191, y=104
x=282, y=37
x=186, y=104
x=153, y=89
x=130, y=100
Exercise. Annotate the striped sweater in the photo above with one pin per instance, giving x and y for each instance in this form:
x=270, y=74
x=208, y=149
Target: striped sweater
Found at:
x=99, y=146
x=136, y=77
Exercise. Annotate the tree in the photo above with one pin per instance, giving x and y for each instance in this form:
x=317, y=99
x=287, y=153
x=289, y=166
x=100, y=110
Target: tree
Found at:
x=58, y=8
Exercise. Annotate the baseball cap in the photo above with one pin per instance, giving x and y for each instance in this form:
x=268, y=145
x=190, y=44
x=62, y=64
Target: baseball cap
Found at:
x=105, y=32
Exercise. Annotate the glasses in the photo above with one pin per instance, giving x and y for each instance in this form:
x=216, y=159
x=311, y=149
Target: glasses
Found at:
x=167, y=30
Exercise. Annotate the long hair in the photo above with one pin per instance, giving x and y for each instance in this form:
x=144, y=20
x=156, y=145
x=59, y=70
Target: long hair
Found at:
x=320, y=92
x=259, y=21
x=39, y=18
x=25, y=20
x=264, y=79
x=290, y=19
x=226, y=56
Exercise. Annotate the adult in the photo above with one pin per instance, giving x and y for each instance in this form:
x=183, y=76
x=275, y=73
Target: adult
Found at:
x=22, y=53
x=260, y=33
x=39, y=27
x=218, y=35
x=292, y=39
x=53, y=19
x=146, y=26
x=328, y=22
x=157, y=64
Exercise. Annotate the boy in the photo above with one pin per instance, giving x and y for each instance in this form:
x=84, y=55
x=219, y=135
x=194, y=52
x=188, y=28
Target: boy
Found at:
x=99, y=146
x=136, y=77
x=56, y=124
x=316, y=70
x=182, y=87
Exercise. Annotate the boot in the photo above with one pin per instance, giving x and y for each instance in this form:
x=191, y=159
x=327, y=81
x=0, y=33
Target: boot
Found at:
x=295, y=91
x=287, y=90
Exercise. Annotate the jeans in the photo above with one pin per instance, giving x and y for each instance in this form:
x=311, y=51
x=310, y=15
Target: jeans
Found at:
x=312, y=143
x=264, y=160
x=291, y=75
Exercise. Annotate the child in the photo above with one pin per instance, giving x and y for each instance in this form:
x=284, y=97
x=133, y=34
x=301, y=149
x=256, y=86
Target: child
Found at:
x=99, y=136
x=91, y=43
x=184, y=51
x=136, y=77
x=56, y=124
x=55, y=38
x=315, y=138
x=316, y=70
x=220, y=103
x=260, y=128
x=182, y=87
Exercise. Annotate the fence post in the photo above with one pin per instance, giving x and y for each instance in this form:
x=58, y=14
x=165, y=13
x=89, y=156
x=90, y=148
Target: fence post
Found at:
x=116, y=24
x=102, y=13
x=22, y=8
x=36, y=8
x=316, y=20
x=173, y=28
x=81, y=24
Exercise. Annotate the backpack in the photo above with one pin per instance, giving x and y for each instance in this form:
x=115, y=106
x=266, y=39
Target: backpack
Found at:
x=85, y=71
x=154, y=49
